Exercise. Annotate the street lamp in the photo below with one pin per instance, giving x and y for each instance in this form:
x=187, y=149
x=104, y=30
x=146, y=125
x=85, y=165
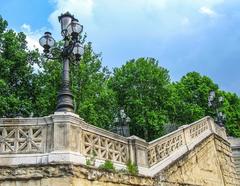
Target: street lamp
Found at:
x=121, y=124
x=72, y=51
x=215, y=103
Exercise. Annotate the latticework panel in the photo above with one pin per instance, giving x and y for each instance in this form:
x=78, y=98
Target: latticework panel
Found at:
x=164, y=148
x=21, y=139
x=199, y=128
x=104, y=148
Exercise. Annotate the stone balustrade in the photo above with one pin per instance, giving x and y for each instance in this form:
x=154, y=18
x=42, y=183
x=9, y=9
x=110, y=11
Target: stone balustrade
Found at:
x=64, y=137
x=23, y=136
x=163, y=147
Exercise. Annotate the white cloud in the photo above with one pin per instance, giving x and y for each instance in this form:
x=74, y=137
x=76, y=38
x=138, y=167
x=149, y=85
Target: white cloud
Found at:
x=80, y=9
x=112, y=23
x=26, y=28
x=207, y=11
x=32, y=38
x=170, y=30
x=97, y=15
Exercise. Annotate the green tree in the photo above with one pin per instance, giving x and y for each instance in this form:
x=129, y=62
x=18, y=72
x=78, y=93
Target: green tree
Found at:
x=141, y=88
x=189, y=98
x=46, y=86
x=189, y=102
x=16, y=73
x=231, y=108
x=93, y=100
x=26, y=90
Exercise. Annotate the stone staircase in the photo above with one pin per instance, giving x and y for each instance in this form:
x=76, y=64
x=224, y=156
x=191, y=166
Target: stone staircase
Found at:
x=64, y=138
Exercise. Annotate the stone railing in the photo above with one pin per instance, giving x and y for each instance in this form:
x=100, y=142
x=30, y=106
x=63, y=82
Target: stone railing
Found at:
x=104, y=148
x=21, y=136
x=64, y=137
x=178, y=141
x=163, y=147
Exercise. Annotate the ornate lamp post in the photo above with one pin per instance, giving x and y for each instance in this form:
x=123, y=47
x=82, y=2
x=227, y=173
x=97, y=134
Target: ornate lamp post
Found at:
x=216, y=103
x=71, y=51
x=121, y=122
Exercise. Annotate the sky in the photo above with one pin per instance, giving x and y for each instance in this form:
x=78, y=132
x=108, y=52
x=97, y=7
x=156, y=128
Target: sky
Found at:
x=183, y=35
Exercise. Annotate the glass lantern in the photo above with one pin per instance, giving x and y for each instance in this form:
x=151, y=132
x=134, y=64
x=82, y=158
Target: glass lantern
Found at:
x=74, y=29
x=65, y=20
x=47, y=41
x=78, y=50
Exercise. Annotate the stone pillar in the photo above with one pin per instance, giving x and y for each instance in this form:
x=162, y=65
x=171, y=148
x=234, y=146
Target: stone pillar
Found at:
x=212, y=125
x=66, y=138
x=221, y=131
x=138, y=151
x=63, y=125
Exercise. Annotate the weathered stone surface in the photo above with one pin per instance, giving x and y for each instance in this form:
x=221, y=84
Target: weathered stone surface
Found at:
x=59, y=174
x=235, y=146
x=209, y=163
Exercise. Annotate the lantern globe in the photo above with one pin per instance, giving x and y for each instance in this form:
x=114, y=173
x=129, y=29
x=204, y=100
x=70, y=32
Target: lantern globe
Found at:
x=65, y=20
x=78, y=50
x=74, y=29
x=47, y=41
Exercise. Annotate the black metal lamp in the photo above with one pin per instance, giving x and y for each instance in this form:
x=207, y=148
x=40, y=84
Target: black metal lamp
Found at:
x=74, y=29
x=65, y=20
x=121, y=124
x=47, y=42
x=78, y=50
x=70, y=30
x=216, y=103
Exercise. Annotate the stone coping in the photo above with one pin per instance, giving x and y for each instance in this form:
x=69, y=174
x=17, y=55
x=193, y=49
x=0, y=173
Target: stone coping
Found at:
x=181, y=128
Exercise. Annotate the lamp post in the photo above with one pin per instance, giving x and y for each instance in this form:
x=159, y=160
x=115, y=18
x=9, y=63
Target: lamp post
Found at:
x=121, y=122
x=215, y=103
x=71, y=51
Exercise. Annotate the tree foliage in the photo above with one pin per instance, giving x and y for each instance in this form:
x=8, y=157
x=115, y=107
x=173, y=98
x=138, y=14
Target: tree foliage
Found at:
x=189, y=98
x=94, y=100
x=16, y=73
x=189, y=102
x=29, y=87
x=231, y=107
x=141, y=88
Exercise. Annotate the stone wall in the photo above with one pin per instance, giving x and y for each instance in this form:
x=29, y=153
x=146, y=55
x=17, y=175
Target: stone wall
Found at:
x=74, y=175
x=235, y=145
x=209, y=163
x=67, y=175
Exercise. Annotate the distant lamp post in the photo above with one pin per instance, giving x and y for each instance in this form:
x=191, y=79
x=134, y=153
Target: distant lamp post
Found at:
x=121, y=124
x=216, y=103
x=71, y=51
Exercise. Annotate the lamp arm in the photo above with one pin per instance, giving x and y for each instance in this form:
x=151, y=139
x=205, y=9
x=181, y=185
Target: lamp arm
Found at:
x=50, y=57
x=55, y=51
x=67, y=50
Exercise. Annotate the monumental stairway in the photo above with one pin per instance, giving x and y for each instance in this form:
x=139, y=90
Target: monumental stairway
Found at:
x=53, y=150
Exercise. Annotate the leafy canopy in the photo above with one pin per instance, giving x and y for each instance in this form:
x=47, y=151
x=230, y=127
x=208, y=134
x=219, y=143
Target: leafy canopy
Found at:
x=29, y=87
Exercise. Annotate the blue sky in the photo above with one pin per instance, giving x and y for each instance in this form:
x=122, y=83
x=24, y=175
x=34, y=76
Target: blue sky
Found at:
x=184, y=35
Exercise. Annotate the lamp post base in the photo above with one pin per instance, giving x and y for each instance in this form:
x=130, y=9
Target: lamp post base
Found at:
x=65, y=102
